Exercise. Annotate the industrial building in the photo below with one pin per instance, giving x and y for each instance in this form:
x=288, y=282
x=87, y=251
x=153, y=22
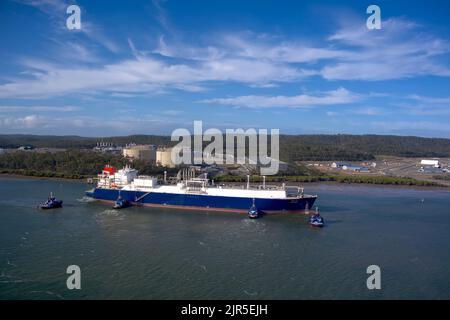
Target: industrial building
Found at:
x=355, y=168
x=164, y=157
x=430, y=163
x=108, y=147
x=340, y=164
x=141, y=152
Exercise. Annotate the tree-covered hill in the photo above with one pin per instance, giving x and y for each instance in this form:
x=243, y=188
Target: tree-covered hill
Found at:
x=292, y=147
x=72, y=164
x=360, y=147
x=76, y=142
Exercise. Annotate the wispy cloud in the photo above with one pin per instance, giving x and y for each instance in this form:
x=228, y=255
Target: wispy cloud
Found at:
x=410, y=126
x=45, y=124
x=56, y=11
x=255, y=60
x=401, y=49
x=104, y=67
x=172, y=112
x=256, y=46
x=15, y=108
x=26, y=122
x=338, y=96
x=97, y=35
x=430, y=100
x=369, y=111
x=143, y=75
x=162, y=17
x=396, y=51
x=53, y=8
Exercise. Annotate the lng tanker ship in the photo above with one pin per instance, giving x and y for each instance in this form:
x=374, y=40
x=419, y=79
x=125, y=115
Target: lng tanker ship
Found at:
x=196, y=193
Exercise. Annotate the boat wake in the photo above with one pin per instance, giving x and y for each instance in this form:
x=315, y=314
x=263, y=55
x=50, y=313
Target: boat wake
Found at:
x=6, y=279
x=109, y=215
x=109, y=212
x=9, y=263
x=250, y=293
x=47, y=292
x=86, y=199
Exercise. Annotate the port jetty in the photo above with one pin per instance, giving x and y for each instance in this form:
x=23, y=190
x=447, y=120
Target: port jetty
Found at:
x=366, y=159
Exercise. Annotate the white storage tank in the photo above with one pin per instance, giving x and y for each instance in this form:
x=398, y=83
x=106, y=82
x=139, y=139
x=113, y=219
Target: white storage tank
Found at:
x=433, y=163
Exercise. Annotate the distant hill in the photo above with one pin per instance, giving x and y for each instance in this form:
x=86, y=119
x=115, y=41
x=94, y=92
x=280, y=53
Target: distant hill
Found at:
x=292, y=147
x=37, y=141
x=360, y=147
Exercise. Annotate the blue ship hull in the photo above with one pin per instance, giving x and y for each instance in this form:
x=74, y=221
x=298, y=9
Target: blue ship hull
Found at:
x=203, y=202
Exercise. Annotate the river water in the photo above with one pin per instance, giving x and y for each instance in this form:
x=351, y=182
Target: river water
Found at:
x=146, y=253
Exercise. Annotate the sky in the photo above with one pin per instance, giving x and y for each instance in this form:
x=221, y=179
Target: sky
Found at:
x=149, y=67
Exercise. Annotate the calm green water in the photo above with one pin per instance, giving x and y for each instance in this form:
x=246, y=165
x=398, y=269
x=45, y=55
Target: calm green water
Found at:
x=142, y=253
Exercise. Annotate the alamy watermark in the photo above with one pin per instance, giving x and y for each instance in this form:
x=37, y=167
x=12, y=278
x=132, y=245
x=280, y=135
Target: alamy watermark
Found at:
x=374, y=20
x=74, y=280
x=242, y=147
x=374, y=280
x=73, y=22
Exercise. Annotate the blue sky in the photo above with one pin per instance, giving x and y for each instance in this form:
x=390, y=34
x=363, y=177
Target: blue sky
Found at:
x=148, y=67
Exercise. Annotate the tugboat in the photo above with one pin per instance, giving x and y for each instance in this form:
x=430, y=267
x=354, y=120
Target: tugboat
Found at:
x=253, y=212
x=316, y=219
x=51, y=203
x=121, y=203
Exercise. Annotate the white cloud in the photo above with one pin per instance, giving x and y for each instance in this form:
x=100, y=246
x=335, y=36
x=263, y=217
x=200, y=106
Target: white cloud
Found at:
x=399, y=50
x=338, y=96
x=80, y=125
x=396, y=68
x=30, y=121
x=430, y=100
x=395, y=126
x=255, y=60
x=184, y=51
x=369, y=111
x=56, y=11
x=10, y=109
x=143, y=75
x=172, y=112
x=418, y=105
x=49, y=7
x=97, y=35
x=253, y=46
x=427, y=111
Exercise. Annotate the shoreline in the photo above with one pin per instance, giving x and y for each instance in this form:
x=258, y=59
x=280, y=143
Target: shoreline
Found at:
x=296, y=183
x=22, y=176
x=339, y=179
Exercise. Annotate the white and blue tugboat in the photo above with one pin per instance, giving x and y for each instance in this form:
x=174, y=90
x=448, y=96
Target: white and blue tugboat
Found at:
x=121, y=203
x=51, y=203
x=253, y=212
x=196, y=193
x=316, y=219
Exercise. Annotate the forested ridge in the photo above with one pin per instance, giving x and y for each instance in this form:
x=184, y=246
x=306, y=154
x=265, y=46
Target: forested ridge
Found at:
x=68, y=142
x=292, y=147
x=71, y=164
x=77, y=164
